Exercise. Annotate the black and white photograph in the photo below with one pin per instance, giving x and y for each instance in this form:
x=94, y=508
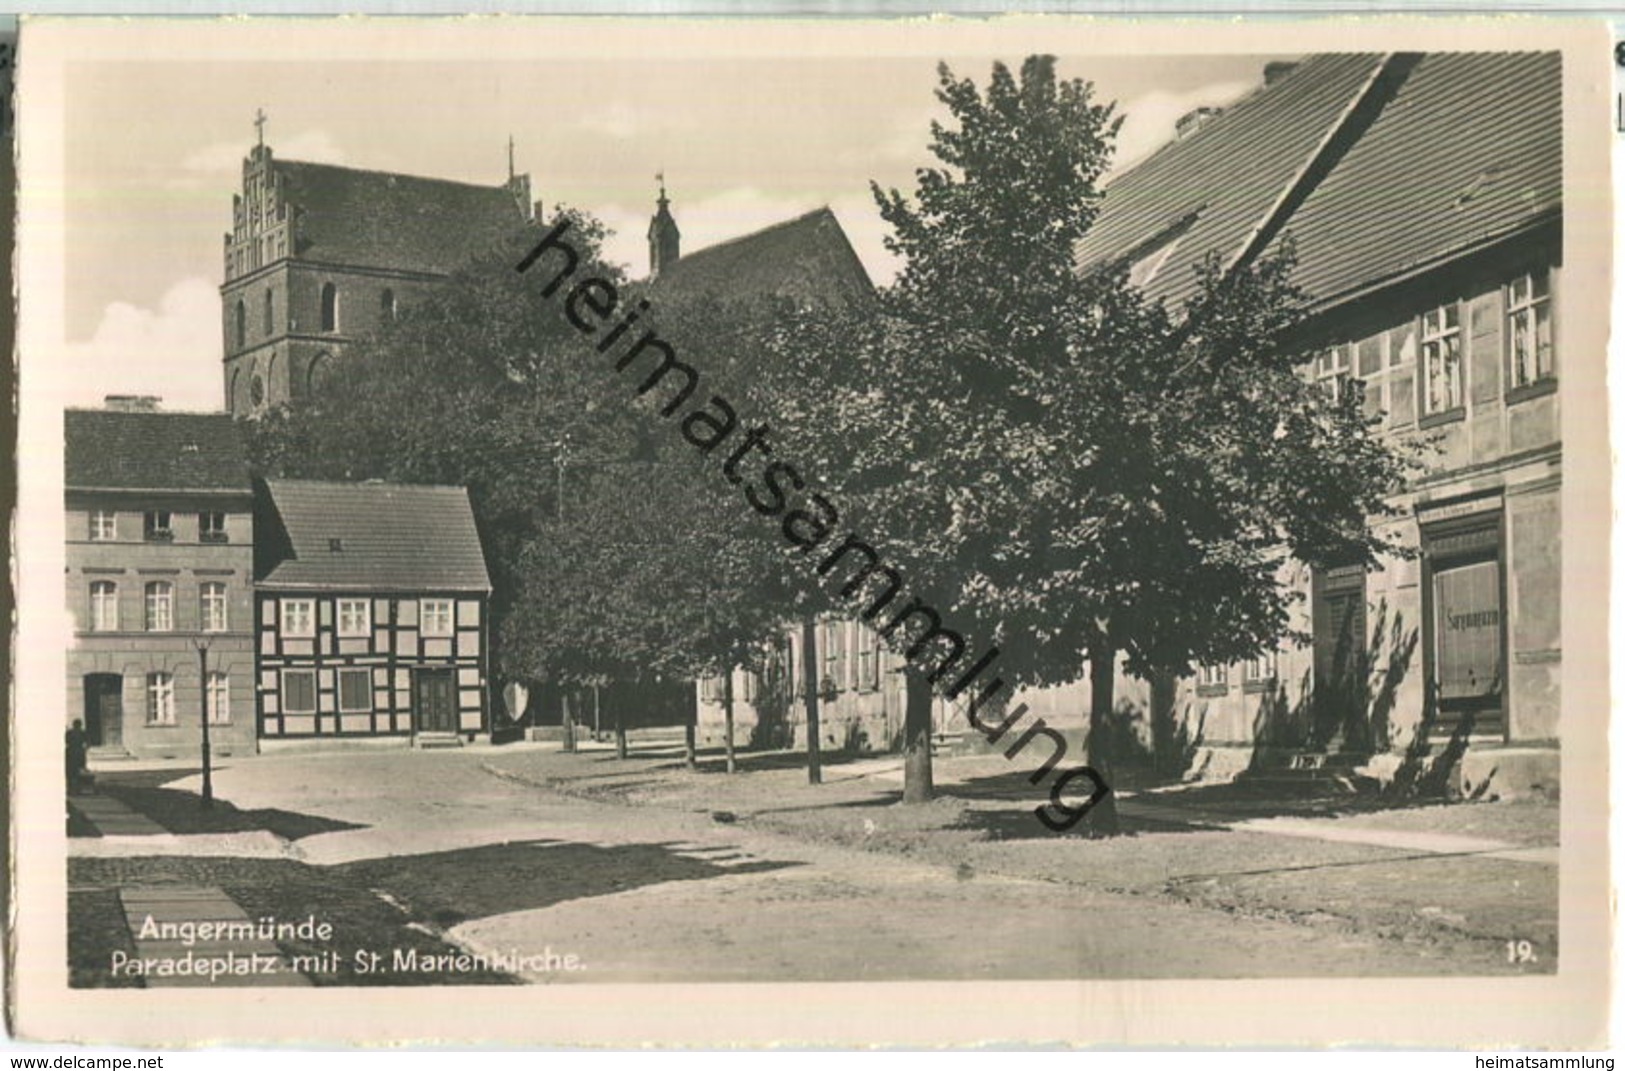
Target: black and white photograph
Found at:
x=751, y=530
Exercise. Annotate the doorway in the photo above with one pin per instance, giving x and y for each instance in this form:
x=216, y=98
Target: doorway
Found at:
x=104, y=710
x=436, y=701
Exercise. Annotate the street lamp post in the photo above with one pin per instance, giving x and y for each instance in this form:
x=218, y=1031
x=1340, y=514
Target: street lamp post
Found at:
x=203, y=705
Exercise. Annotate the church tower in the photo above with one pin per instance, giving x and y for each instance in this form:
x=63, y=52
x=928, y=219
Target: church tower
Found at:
x=663, y=235
x=319, y=256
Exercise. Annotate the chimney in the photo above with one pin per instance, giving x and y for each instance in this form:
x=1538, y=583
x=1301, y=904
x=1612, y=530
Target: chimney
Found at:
x=1277, y=70
x=133, y=403
x=1194, y=120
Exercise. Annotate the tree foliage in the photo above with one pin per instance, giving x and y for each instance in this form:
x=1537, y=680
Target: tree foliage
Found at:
x=1072, y=471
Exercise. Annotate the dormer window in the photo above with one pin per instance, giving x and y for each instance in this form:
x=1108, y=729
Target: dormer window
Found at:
x=335, y=545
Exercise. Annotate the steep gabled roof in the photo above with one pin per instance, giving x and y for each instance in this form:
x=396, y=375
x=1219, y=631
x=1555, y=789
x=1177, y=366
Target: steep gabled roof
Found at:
x=1374, y=167
x=153, y=451
x=378, y=219
x=1469, y=150
x=808, y=257
x=368, y=537
x=1215, y=188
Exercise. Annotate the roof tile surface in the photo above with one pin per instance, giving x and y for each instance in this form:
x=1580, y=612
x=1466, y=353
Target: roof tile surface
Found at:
x=151, y=451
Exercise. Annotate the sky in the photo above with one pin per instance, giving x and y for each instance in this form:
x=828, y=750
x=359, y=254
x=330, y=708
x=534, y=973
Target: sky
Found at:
x=153, y=152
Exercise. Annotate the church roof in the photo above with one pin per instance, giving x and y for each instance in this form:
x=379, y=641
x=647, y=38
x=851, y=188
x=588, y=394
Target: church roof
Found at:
x=368, y=537
x=384, y=220
x=1373, y=166
x=153, y=451
x=808, y=257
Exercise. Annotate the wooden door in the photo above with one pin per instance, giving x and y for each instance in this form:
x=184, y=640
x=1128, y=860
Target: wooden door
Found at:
x=104, y=710
x=436, y=701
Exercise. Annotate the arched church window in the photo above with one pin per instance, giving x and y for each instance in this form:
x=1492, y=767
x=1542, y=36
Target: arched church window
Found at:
x=242, y=325
x=316, y=372
x=330, y=307
x=270, y=310
x=386, y=302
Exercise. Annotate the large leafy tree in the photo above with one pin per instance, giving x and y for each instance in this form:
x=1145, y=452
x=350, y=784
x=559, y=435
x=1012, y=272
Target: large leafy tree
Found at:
x=601, y=535
x=1070, y=471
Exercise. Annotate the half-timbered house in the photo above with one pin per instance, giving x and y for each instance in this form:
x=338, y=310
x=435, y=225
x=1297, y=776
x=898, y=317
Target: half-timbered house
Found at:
x=371, y=613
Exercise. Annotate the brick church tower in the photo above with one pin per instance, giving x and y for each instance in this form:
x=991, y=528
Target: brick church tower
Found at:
x=320, y=255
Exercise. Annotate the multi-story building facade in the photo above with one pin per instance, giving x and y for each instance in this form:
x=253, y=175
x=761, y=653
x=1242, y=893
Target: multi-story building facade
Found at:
x=370, y=613
x=320, y=255
x=160, y=536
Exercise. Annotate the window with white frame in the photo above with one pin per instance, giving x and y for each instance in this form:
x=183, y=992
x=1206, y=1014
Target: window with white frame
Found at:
x=298, y=617
x=156, y=526
x=434, y=617
x=1260, y=670
x=1213, y=677
x=299, y=691
x=1442, y=386
x=160, y=699
x=160, y=606
x=1333, y=371
x=212, y=606
x=866, y=659
x=211, y=526
x=103, y=525
x=103, y=606
x=218, y=699
x=1529, y=328
x=355, y=617
x=355, y=690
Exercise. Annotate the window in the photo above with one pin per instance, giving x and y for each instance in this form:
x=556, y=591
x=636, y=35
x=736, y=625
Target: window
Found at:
x=1333, y=372
x=212, y=606
x=355, y=690
x=354, y=617
x=155, y=526
x=103, y=606
x=270, y=312
x=1212, y=680
x=211, y=527
x=160, y=699
x=386, y=306
x=866, y=661
x=103, y=524
x=299, y=691
x=218, y=699
x=834, y=655
x=242, y=325
x=874, y=640
x=1529, y=328
x=160, y=606
x=330, y=307
x=1260, y=671
x=1441, y=361
x=298, y=617
x=435, y=617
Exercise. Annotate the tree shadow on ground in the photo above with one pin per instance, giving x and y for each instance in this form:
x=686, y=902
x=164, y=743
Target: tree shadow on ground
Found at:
x=470, y=883
x=181, y=811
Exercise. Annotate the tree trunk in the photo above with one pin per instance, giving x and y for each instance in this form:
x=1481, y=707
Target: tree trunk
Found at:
x=917, y=786
x=567, y=722
x=620, y=725
x=809, y=678
x=1102, y=818
x=728, y=718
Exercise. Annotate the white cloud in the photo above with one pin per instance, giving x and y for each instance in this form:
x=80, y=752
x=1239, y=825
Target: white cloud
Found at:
x=618, y=121
x=1148, y=121
x=226, y=157
x=172, y=351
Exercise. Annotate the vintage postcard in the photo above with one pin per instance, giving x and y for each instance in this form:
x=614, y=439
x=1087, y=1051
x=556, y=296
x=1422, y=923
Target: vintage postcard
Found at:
x=917, y=532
